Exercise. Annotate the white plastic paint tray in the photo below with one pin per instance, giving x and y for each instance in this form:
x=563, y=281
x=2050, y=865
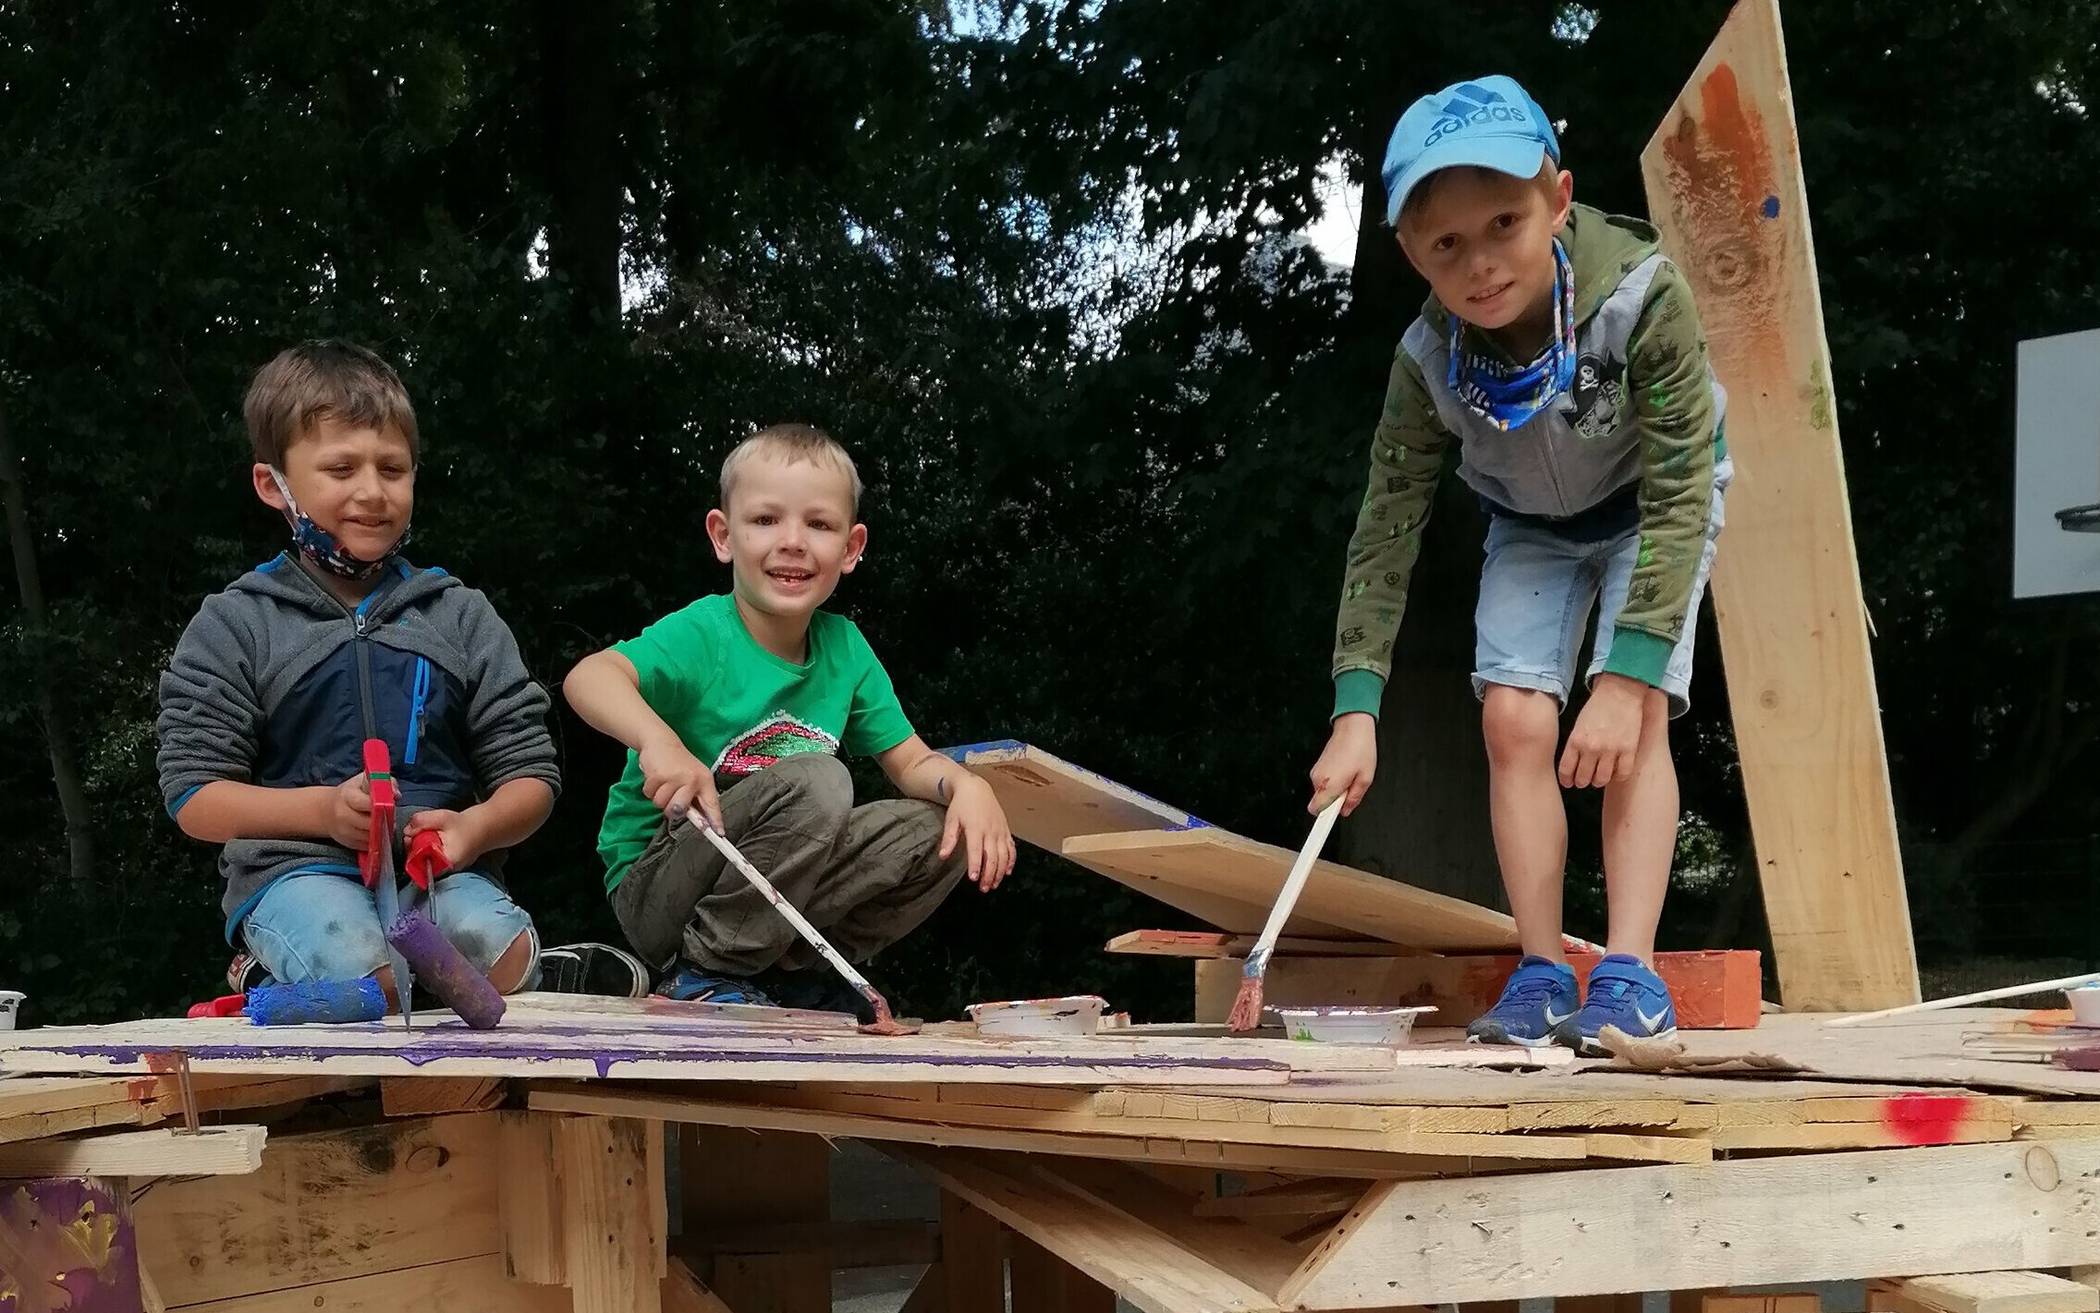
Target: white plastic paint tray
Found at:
x=2085, y=1004
x=1074, y=1014
x=1350, y=1025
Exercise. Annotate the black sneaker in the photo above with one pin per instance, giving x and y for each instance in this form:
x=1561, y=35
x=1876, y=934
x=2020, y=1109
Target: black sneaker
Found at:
x=244, y=974
x=816, y=989
x=593, y=969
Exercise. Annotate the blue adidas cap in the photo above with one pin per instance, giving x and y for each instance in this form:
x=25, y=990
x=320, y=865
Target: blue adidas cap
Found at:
x=1491, y=123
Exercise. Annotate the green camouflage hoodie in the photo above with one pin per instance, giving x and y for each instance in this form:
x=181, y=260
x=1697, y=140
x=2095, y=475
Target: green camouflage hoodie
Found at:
x=1644, y=409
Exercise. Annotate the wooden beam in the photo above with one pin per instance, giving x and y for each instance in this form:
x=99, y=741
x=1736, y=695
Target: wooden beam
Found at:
x=529, y=1198
x=745, y=1178
x=1724, y=185
x=429, y=1096
x=1045, y=1283
x=1819, y=1217
x=1048, y=800
x=685, y=1292
x=462, y=1285
x=1726, y=1302
x=973, y=1274
x=324, y=1207
x=1232, y=882
x=610, y=1226
x=1713, y=990
x=213, y=1151
x=1983, y=1292
x=930, y=1294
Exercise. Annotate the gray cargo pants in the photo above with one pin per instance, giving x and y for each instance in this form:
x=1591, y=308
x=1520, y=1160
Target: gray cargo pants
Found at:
x=866, y=876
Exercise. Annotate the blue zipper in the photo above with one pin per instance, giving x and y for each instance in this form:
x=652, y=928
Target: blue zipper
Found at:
x=417, y=698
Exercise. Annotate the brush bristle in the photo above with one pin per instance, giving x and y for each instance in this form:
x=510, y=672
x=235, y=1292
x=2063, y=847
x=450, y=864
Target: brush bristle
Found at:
x=1246, y=1006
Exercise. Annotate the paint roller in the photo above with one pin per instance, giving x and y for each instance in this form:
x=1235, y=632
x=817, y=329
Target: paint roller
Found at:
x=444, y=971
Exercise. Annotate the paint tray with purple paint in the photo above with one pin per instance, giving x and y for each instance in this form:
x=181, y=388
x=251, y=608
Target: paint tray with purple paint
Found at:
x=1074, y=1014
x=1350, y=1025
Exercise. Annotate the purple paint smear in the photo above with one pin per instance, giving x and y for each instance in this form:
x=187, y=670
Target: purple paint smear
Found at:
x=425, y=1052
x=36, y=1218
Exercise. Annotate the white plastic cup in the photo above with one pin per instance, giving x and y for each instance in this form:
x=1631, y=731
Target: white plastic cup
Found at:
x=10, y=999
x=2085, y=1004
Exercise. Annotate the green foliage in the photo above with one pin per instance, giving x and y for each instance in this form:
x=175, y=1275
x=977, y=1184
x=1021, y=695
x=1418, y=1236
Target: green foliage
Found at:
x=1033, y=261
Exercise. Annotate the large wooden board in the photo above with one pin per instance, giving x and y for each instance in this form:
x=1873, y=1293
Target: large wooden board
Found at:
x=1048, y=800
x=1724, y=185
x=1231, y=882
x=1815, y=1217
x=706, y=1046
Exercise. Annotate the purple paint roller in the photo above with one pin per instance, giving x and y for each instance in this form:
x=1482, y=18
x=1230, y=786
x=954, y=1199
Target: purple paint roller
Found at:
x=318, y=1001
x=440, y=968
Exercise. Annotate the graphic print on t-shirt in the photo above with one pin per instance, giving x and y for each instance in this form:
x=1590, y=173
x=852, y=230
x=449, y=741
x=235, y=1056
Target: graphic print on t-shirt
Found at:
x=773, y=740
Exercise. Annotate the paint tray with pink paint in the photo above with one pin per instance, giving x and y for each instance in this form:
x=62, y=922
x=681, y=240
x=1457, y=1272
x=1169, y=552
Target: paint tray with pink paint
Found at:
x=1074, y=1014
x=1350, y=1025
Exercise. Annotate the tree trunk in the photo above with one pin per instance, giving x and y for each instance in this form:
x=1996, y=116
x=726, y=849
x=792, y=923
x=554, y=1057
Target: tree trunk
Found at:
x=580, y=73
x=65, y=768
x=1425, y=819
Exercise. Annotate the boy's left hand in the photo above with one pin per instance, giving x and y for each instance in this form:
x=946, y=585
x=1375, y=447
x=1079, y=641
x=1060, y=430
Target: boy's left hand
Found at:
x=460, y=831
x=1607, y=737
x=976, y=820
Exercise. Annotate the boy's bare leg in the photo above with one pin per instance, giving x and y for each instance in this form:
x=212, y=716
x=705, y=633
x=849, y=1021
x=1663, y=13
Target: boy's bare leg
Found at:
x=1522, y=728
x=508, y=971
x=1640, y=836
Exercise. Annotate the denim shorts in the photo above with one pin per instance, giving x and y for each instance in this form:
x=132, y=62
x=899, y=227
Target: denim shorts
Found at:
x=1537, y=590
x=316, y=926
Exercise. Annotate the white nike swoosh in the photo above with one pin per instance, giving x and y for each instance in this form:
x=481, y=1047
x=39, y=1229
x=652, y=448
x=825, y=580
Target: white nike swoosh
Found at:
x=1653, y=1023
x=1555, y=1018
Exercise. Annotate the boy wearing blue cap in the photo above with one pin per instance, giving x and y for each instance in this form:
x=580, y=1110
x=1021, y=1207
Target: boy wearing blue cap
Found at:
x=1560, y=360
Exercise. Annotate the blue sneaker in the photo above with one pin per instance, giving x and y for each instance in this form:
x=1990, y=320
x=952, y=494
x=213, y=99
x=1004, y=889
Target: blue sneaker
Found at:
x=1623, y=993
x=690, y=984
x=1540, y=995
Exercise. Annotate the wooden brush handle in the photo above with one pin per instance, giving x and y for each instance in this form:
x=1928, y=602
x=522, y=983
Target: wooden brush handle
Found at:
x=1293, y=886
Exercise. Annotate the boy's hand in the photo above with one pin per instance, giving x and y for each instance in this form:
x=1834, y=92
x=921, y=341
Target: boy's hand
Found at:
x=460, y=831
x=675, y=780
x=1607, y=736
x=976, y=819
x=1345, y=769
x=350, y=814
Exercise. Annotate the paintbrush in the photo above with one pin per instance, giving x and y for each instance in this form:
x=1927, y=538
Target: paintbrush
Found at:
x=1246, y=1007
x=884, y=1023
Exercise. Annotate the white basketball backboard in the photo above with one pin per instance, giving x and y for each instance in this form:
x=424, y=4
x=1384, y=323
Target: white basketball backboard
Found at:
x=2056, y=480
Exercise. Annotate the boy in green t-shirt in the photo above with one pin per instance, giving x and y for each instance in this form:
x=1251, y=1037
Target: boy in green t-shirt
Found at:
x=755, y=692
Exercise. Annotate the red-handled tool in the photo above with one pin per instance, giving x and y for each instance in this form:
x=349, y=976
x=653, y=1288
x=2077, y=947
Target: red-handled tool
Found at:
x=377, y=864
x=426, y=860
x=226, y=1005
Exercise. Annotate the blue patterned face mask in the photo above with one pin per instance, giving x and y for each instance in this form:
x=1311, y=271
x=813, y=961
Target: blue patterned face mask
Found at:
x=318, y=545
x=1507, y=395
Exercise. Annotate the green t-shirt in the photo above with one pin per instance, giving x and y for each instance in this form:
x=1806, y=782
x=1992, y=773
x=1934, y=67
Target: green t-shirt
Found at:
x=739, y=708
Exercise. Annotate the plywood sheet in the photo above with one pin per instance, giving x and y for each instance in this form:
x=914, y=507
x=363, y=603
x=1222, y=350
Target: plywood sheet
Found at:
x=1724, y=185
x=1048, y=799
x=1232, y=882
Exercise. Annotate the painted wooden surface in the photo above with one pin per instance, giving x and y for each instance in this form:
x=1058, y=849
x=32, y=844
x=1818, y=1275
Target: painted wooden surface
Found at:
x=1232, y=882
x=1724, y=185
x=1048, y=799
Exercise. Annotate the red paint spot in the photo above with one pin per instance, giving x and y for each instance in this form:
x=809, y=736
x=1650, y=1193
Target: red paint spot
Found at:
x=1738, y=136
x=1925, y=1118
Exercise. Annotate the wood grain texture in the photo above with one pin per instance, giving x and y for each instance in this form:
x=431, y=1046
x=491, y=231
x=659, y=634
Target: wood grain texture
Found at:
x=1048, y=799
x=1724, y=184
x=612, y=1230
x=213, y=1151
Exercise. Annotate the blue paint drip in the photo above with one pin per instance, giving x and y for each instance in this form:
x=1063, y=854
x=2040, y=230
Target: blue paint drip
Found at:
x=1770, y=209
x=320, y=1001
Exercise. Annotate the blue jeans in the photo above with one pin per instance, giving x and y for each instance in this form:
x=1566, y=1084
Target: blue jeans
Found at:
x=1537, y=590
x=326, y=927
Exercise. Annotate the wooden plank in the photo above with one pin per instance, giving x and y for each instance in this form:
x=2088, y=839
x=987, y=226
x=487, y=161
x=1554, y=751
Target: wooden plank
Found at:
x=1989, y=1292
x=1314, y=1198
x=1232, y=882
x=1928, y=1049
x=326, y=1206
x=430, y=1096
x=1216, y=943
x=1724, y=184
x=608, y=1222
x=1048, y=800
x=973, y=1276
x=1145, y=1267
x=746, y=1178
x=1818, y=1217
x=1045, y=1283
x=465, y=1285
x=213, y=1151
x=1712, y=990
x=930, y=1294
x=685, y=1292
x=1187, y=1148
x=1796, y=1301
x=529, y=1199
x=1248, y=1254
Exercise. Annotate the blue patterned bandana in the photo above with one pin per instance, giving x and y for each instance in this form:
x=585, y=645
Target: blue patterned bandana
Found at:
x=1507, y=395
x=318, y=545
